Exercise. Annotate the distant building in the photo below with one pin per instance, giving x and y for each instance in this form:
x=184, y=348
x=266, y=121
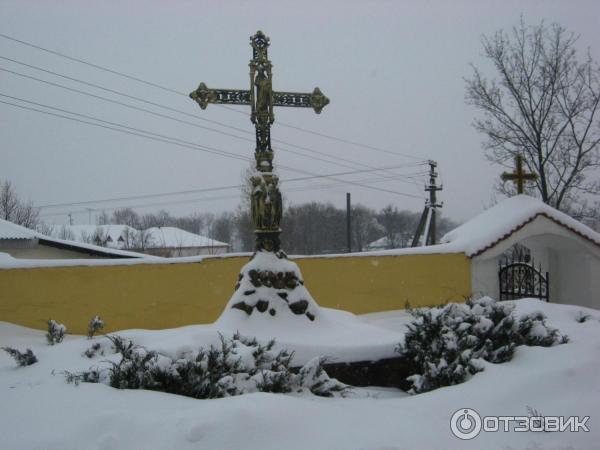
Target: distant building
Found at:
x=172, y=242
x=159, y=241
x=122, y=237
x=379, y=244
x=22, y=243
x=401, y=241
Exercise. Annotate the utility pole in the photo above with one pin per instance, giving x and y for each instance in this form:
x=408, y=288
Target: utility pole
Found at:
x=427, y=222
x=348, y=222
x=89, y=210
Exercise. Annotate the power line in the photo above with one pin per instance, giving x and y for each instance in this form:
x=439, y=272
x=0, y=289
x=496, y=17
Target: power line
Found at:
x=203, y=199
x=87, y=63
x=174, y=91
x=212, y=189
x=151, y=112
x=178, y=142
x=137, y=108
x=124, y=128
x=333, y=138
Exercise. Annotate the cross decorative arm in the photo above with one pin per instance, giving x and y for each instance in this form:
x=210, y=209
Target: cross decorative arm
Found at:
x=265, y=199
x=519, y=176
x=261, y=98
x=203, y=95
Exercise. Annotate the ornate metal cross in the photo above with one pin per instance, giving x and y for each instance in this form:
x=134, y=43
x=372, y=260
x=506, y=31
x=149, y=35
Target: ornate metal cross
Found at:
x=519, y=176
x=266, y=198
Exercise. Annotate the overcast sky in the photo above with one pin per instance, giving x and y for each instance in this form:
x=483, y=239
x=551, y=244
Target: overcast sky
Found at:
x=393, y=71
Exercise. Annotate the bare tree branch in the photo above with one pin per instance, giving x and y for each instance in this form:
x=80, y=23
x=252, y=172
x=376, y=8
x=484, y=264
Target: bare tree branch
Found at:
x=544, y=105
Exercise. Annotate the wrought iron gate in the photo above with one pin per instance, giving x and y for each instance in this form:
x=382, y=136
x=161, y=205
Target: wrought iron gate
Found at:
x=519, y=278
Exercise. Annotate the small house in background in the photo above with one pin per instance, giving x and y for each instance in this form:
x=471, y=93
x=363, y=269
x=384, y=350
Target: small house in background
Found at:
x=380, y=244
x=159, y=241
x=22, y=243
x=122, y=237
x=523, y=247
x=173, y=242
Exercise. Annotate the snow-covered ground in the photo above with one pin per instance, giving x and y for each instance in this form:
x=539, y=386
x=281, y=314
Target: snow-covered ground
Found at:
x=39, y=410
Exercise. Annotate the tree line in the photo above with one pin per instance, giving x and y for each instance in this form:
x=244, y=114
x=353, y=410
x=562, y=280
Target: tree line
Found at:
x=309, y=228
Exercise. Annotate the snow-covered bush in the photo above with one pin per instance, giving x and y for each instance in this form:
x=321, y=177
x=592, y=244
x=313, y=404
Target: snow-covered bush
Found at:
x=534, y=331
x=237, y=366
x=582, y=317
x=445, y=345
x=95, y=325
x=93, y=350
x=56, y=332
x=22, y=359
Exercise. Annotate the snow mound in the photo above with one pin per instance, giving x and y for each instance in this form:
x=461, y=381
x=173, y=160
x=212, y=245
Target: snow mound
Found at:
x=561, y=380
x=269, y=285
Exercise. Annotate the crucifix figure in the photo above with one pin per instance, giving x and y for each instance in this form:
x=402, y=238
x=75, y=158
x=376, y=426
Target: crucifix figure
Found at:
x=266, y=198
x=519, y=176
x=269, y=284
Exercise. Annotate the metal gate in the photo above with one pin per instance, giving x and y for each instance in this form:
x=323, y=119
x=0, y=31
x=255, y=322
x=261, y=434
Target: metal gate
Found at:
x=519, y=278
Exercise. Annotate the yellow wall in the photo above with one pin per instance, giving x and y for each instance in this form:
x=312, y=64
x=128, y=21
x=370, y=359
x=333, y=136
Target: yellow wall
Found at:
x=171, y=295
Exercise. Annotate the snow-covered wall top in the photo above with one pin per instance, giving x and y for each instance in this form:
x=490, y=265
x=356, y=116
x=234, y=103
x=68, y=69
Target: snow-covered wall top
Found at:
x=471, y=238
x=500, y=221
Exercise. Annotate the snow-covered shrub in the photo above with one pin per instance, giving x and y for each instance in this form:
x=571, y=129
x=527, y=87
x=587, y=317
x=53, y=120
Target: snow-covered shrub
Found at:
x=445, y=345
x=582, y=317
x=22, y=359
x=237, y=366
x=93, y=350
x=91, y=376
x=95, y=325
x=534, y=331
x=56, y=332
x=134, y=370
x=313, y=377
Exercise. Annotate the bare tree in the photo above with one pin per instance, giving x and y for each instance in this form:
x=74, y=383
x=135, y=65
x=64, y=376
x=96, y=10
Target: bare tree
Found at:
x=143, y=240
x=223, y=227
x=126, y=216
x=27, y=215
x=543, y=104
x=244, y=229
x=45, y=229
x=86, y=238
x=389, y=218
x=65, y=233
x=9, y=201
x=100, y=236
x=364, y=227
x=14, y=210
x=103, y=218
x=129, y=237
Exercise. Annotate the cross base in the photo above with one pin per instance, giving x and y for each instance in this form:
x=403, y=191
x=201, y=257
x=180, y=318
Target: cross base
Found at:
x=268, y=241
x=272, y=285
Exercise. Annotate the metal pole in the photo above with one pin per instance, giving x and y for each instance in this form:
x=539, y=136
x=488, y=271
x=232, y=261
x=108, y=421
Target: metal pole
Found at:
x=348, y=222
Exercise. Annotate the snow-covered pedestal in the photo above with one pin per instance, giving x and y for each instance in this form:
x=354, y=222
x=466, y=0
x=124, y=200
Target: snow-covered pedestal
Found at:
x=271, y=284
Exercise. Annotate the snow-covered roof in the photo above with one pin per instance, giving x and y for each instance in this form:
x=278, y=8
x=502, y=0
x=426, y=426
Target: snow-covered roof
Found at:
x=502, y=220
x=9, y=230
x=89, y=248
x=172, y=237
x=112, y=231
x=381, y=243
